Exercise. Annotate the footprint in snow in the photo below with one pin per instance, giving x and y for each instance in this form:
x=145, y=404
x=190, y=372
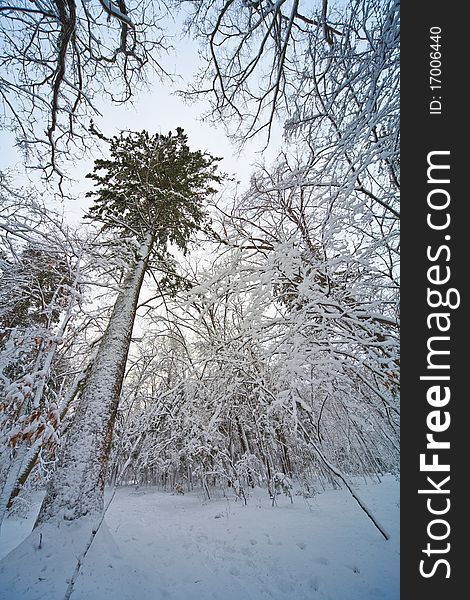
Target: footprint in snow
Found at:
x=314, y=584
x=302, y=545
x=354, y=568
x=322, y=560
x=270, y=542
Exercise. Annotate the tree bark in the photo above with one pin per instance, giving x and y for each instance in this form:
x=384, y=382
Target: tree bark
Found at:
x=77, y=487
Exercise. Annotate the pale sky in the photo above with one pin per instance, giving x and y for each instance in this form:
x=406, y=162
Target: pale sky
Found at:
x=158, y=109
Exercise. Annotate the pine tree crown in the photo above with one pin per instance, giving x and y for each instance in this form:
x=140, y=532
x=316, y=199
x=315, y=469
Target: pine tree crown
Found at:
x=153, y=184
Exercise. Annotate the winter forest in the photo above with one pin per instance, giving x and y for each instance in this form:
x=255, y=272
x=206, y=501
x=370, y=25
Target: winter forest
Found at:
x=199, y=374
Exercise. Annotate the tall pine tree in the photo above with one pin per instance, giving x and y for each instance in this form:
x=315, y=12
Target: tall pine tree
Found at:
x=150, y=193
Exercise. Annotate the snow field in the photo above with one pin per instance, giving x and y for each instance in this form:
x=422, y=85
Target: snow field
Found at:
x=159, y=546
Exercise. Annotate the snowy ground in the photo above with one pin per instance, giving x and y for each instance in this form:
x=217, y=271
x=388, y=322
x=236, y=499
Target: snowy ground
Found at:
x=158, y=546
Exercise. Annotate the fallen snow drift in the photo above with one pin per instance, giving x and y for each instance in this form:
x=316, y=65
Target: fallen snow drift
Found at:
x=158, y=546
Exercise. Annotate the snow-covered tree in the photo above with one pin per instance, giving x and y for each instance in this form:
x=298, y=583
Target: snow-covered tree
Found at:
x=284, y=374
x=39, y=295
x=301, y=61
x=150, y=193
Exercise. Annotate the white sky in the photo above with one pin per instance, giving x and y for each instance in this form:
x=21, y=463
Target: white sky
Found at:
x=157, y=109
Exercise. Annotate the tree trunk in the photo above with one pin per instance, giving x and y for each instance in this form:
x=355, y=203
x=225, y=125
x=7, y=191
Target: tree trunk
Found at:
x=11, y=478
x=14, y=473
x=77, y=487
x=32, y=455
